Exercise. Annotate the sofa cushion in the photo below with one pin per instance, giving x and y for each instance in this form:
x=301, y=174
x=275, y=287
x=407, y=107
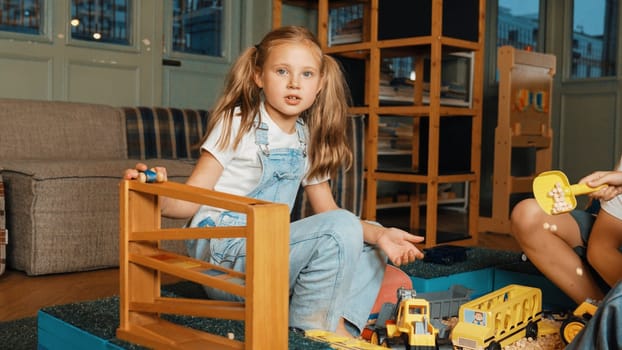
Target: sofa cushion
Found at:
x=68, y=209
x=168, y=133
x=60, y=130
x=347, y=185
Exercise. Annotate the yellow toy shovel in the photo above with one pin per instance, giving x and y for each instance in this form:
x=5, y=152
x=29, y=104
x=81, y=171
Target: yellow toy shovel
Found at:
x=554, y=193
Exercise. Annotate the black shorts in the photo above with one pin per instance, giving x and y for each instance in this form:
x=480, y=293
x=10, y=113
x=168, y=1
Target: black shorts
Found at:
x=585, y=219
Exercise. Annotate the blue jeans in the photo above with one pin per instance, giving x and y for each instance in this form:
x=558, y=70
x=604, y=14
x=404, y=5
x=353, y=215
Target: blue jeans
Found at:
x=332, y=273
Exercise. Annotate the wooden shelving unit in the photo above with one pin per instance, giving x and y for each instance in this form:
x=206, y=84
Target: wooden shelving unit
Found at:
x=384, y=36
x=524, y=121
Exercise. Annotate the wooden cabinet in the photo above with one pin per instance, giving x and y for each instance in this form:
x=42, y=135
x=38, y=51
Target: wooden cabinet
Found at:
x=524, y=123
x=431, y=42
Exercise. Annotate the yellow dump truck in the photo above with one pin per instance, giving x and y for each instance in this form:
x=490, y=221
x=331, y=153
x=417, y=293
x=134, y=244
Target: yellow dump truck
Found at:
x=409, y=327
x=498, y=319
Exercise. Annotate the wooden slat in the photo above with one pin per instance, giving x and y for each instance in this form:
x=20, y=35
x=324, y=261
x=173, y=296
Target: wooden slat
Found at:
x=188, y=233
x=193, y=307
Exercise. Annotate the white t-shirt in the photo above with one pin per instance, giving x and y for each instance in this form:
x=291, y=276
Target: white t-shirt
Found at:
x=242, y=167
x=614, y=206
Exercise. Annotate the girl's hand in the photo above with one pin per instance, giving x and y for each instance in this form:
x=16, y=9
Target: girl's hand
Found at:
x=399, y=246
x=130, y=174
x=612, y=178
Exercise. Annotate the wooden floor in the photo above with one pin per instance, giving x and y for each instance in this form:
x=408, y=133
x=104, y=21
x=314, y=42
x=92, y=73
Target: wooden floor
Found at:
x=22, y=296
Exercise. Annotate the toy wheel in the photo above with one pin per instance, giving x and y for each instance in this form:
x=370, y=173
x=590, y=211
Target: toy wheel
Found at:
x=379, y=337
x=531, y=331
x=570, y=328
x=405, y=341
x=494, y=346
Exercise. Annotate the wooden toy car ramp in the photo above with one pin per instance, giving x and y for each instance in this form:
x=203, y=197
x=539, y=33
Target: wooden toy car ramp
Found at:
x=264, y=285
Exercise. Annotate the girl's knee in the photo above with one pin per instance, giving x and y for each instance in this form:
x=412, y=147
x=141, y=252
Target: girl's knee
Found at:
x=346, y=225
x=526, y=216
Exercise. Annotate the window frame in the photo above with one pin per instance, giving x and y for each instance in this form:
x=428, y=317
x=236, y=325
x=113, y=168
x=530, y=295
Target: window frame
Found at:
x=45, y=32
x=133, y=46
x=569, y=45
x=226, y=48
x=493, y=8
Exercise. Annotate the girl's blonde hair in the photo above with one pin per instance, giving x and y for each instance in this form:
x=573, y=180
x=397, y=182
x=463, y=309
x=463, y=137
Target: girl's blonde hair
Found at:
x=327, y=118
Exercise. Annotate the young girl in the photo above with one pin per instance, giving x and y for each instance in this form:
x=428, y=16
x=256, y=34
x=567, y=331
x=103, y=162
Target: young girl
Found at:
x=280, y=123
x=578, y=251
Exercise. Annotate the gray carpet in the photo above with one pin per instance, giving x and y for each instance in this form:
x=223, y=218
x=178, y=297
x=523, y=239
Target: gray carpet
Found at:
x=101, y=317
x=19, y=334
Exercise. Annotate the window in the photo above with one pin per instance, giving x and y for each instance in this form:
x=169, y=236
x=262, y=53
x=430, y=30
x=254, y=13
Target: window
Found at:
x=106, y=21
x=345, y=24
x=594, y=37
x=518, y=24
x=21, y=16
x=198, y=27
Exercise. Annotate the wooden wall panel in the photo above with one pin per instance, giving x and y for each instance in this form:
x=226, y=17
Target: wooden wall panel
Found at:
x=103, y=83
x=26, y=77
x=587, y=133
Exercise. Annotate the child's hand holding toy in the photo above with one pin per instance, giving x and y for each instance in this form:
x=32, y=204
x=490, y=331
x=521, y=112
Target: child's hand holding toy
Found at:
x=610, y=181
x=146, y=175
x=151, y=175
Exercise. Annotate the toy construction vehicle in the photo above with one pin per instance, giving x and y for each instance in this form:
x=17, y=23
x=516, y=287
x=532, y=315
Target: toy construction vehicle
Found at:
x=405, y=325
x=572, y=325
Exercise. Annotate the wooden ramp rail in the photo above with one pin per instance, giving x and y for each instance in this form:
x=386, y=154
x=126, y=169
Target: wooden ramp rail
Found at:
x=264, y=285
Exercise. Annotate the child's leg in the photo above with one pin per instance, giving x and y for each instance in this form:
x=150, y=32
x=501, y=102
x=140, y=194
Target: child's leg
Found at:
x=548, y=241
x=324, y=253
x=603, y=248
x=364, y=289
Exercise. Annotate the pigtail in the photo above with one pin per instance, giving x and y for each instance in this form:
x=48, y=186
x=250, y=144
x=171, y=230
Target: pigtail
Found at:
x=239, y=90
x=327, y=121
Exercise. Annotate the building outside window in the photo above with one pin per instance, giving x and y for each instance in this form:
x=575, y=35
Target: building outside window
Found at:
x=594, y=38
x=518, y=24
x=104, y=21
x=21, y=16
x=198, y=27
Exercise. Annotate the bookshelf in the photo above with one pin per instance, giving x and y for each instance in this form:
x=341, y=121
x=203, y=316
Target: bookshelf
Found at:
x=445, y=118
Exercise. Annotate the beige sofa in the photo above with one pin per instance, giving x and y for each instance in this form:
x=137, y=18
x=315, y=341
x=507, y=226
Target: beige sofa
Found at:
x=61, y=164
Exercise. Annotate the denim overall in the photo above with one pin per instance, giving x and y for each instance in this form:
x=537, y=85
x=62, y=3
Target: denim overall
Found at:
x=332, y=273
